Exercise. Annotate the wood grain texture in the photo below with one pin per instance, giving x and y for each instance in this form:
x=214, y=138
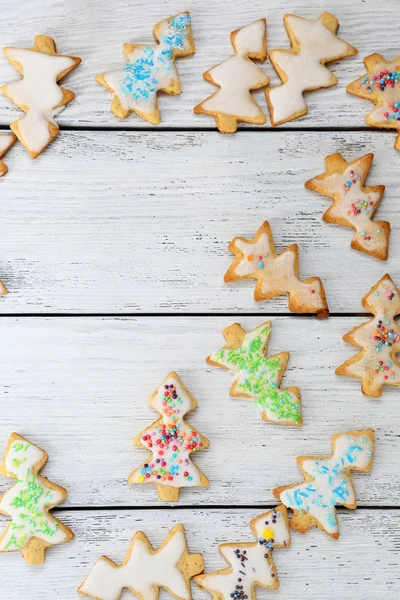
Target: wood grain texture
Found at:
x=363, y=563
x=95, y=31
x=78, y=387
x=140, y=222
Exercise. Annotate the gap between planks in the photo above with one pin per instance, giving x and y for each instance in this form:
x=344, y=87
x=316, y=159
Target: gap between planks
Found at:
x=261, y=507
x=172, y=129
x=233, y=315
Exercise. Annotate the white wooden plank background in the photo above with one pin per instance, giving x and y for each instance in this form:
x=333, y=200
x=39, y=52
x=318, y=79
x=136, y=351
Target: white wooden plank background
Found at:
x=140, y=222
x=95, y=31
x=120, y=222
x=362, y=564
x=89, y=379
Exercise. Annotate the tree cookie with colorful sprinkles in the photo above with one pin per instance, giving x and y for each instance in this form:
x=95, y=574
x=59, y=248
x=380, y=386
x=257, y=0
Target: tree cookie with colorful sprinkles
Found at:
x=379, y=339
x=302, y=68
x=144, y=570
x=236, y=77
x=354, y=205
x=171, y=441
x=38, y=93
x=328, y=482
x=6, y=141
x=257, y=376
x=150, y=69
x=381, y=85
x=32, y=529
x=251, y=562
x=276, y=274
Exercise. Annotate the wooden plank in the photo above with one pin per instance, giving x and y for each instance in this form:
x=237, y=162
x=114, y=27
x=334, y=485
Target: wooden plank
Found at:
x=366, y=556
x=79, y=388
x=133, y=222
x=99, y=32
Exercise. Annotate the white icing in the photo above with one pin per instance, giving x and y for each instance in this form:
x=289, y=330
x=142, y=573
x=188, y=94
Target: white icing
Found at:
x=28, y=500
x=257, y=376
x=331, y=482
x=238, y=74
x=6, y=140
x=151, y=68
x=38, y=93
x=256, y=568
x=172, y=452
x=376, y=351
x=278, y=272
x=304, y=70
x=143, y=572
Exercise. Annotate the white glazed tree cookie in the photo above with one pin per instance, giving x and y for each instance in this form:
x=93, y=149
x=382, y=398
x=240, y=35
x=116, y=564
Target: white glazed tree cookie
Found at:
x=379, y=339
x=251, y=562
x=28, y=502
x=144, y=570
x=150, y=69
x=354, y=205
x=171, y=441
x=328, y=482
x=302, y=68
x=237, y=77
x=6, y=141
x=276, y=274
x=38, y=93
x=258, y=376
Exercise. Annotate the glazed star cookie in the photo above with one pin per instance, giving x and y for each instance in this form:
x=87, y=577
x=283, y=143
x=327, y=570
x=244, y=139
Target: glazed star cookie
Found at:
x=237, y=77
x=144, y=570
x=38, y=93
x=354, y=205
x=171, y=441
x=251, y=563
x=150, y=69
x=276, y=274
x=257, y=376
x=328, y=482
x=6, y=141
x=302, y=68
x=381, y=85
x=32, y=529
x=379, y=339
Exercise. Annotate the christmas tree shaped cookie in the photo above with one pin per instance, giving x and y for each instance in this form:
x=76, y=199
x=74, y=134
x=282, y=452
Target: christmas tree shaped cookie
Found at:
x=144, y=570
x=3, y=289
x=301, y=69
x=171, y=441
x=381, y=85
x=150, y=69
x=379, y=338
x=257, y=376
x=28, y=502
x=38, y=93
x=237, y=77
x=6, y=141
x=328, y=482
x=276, y=274
x=354, y=205
x=251, y=562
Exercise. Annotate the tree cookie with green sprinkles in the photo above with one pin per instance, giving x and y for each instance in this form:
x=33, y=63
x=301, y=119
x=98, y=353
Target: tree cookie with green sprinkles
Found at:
x=257, y=375
x=28, y=502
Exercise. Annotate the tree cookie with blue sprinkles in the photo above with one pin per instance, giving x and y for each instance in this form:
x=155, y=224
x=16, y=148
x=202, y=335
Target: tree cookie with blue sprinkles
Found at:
x=258, y=376
x=328, y=482
x=32, y=529
x=150, y=69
